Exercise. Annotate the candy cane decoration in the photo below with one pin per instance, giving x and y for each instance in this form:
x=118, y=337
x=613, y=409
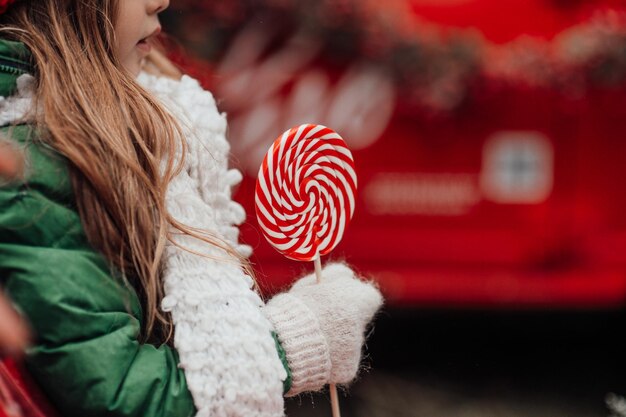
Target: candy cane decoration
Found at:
x=305, y=196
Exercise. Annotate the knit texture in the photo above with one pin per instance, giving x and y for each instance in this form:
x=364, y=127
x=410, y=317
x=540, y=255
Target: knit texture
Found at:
x=303, y=341
x=321, y=326
x=223, y=339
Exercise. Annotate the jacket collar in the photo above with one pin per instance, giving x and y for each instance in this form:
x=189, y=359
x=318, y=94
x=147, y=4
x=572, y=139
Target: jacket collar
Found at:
x=15, y=60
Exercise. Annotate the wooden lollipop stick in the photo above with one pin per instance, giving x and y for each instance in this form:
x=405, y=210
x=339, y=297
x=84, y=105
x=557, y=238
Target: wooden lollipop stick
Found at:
x=334, y=399
x=318, y=268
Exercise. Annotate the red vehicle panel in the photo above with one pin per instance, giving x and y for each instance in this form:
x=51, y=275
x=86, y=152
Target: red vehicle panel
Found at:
x=513, y=197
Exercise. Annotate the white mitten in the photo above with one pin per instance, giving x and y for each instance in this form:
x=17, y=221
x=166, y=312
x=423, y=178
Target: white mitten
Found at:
x=321, y=326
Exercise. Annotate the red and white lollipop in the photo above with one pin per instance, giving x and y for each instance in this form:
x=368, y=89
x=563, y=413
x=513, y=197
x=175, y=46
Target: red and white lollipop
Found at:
x=305, y=192
x=305, y=197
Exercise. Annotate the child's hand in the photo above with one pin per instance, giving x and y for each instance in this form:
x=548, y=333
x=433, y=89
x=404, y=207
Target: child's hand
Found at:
x=321, y=326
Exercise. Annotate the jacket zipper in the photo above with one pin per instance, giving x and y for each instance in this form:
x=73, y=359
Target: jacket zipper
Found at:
x=13, y=67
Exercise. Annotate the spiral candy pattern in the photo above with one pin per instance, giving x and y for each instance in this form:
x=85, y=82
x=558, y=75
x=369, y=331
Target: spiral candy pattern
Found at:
x=305, y=192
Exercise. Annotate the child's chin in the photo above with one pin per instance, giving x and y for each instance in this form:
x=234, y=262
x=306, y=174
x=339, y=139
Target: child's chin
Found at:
x=133, y=68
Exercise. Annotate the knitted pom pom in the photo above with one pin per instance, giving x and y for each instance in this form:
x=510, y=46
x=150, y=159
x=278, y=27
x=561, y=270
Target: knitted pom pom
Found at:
x=4, y=5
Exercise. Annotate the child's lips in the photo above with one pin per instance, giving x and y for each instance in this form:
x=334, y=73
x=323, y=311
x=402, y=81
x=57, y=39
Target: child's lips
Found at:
x=144, y=46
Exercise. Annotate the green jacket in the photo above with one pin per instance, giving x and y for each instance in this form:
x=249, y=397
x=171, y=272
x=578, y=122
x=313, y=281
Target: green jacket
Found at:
x=86, y=358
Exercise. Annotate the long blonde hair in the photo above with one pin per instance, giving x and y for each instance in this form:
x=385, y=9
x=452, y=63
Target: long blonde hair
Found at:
x=114, y=135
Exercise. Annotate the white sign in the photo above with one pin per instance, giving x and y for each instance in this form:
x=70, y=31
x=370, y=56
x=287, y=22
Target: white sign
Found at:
x=517, y=167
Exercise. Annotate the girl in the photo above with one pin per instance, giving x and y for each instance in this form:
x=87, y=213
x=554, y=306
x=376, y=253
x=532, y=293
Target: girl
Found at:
x=120, y=244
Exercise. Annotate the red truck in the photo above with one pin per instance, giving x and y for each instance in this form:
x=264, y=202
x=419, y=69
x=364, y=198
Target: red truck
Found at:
x=490, y=175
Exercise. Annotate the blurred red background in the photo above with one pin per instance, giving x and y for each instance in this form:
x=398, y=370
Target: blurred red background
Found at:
x=488, y=137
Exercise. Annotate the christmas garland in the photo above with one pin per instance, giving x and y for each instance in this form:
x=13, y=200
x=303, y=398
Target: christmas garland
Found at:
x=435, y=67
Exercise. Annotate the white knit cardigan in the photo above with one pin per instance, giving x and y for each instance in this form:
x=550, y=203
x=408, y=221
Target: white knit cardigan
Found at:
x=223, y=339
